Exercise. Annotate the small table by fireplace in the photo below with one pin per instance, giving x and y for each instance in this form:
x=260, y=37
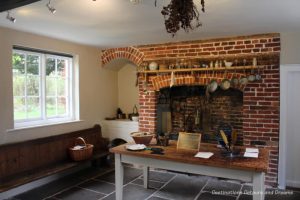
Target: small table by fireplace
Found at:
x=245, y=169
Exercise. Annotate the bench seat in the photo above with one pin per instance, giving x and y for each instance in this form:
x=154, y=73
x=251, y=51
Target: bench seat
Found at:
x=40, y=168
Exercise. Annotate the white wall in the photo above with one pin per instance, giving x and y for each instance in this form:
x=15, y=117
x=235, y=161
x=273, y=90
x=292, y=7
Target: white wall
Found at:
x=290, y=48
x=128, y=93
x=98, y=88
x=288, y=166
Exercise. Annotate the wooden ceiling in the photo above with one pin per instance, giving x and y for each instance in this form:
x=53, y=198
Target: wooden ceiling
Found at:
x=11, y=4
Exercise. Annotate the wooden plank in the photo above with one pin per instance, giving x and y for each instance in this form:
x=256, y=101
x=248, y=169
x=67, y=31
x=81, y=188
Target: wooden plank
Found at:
x=24, y=178
x=260, y=56
x=238, y=68
x=94, y=130
x=32, y=175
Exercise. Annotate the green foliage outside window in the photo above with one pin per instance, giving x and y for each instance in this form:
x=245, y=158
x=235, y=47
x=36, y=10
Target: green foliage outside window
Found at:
x=27, y=79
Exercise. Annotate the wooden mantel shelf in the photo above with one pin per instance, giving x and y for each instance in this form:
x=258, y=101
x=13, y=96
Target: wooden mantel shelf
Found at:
x=237, y=68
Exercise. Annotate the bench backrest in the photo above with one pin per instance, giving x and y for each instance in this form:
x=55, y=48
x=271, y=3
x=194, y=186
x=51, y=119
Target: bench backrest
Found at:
x=25, y=156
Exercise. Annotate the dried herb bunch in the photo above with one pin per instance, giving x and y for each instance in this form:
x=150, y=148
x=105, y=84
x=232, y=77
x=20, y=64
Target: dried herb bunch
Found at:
x=181, y=14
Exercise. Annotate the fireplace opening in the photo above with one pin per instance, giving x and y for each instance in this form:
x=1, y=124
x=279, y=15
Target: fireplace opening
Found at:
x=190, y=109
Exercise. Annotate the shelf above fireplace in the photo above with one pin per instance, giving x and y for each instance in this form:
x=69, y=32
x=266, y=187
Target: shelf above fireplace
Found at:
x=237, y=68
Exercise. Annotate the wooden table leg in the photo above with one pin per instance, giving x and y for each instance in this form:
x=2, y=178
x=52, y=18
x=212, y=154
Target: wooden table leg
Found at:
x=119, y=176
x=146, y=176
x=258, y=186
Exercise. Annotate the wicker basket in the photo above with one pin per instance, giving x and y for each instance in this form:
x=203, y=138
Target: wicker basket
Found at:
x=81, y=154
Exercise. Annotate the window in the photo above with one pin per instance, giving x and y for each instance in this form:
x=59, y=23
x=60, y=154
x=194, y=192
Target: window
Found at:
x=42, y=88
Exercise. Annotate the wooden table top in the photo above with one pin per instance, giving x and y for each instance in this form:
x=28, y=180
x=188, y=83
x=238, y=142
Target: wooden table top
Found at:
x=259, y=164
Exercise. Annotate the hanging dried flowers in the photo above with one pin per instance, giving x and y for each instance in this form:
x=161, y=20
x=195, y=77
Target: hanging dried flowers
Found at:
x=181, y=14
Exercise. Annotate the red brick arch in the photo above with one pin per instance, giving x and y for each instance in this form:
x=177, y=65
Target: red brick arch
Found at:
x=131, y=53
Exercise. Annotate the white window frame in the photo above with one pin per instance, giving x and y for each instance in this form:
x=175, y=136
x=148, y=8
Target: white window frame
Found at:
x=44, y=120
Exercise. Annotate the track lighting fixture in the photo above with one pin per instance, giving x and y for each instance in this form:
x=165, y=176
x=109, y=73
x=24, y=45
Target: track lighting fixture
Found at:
x=10, y=18
x=50, y=7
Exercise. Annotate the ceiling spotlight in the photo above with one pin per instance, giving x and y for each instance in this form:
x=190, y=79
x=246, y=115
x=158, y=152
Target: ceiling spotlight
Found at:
x=10, y=18
x=50, y=7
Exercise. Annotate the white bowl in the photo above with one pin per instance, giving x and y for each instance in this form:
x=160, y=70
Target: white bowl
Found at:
x=135, y=118
x=153, y=66
x=228, y=64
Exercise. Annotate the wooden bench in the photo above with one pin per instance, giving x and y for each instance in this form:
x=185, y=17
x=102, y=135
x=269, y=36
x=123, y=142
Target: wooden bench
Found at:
x=27, y=161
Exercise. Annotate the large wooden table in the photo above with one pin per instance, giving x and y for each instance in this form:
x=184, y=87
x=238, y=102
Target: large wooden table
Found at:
x=245, y=169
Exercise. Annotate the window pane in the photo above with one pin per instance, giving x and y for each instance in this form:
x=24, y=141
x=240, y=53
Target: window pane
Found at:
x=18, y=61
x=33, y=85
x=33, y=107
x=51, y=107
x=50, y=86
x=33, y=63
x=19, y=85
x=61, y=87
x=62, y=106
x=41, y=87
x=19, y=108
x=50, y=67
x=61, y=68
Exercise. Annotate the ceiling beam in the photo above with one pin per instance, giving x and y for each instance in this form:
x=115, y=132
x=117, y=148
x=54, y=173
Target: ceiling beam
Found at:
x=12, y=4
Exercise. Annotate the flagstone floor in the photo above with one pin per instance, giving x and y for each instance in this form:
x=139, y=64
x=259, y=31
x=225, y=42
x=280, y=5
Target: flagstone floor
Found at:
x=98, y=184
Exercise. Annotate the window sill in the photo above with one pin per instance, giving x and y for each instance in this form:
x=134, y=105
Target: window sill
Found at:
x=42, y=125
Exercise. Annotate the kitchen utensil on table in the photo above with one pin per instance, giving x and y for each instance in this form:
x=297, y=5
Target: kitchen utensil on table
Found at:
x=234, y=135
x=159, y=151
x=163, y=140
x=135, y=147
x=225, y=139
x=142, y=137
x=229, y=144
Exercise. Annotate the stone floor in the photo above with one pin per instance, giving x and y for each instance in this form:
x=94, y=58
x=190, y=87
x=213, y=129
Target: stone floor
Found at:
x=92, y=184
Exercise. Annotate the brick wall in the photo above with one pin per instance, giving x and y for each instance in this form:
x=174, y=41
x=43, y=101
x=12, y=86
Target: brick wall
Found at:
x=261, y=99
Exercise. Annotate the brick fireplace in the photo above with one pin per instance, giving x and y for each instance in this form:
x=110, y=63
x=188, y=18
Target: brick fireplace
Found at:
x=256, y=104
x=191, y=110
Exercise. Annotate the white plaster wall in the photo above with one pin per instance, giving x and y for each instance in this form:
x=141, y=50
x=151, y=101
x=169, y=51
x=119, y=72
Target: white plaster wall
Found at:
x=128, y=93
x=290, y=48
x=98, y=88
x=290, y=54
